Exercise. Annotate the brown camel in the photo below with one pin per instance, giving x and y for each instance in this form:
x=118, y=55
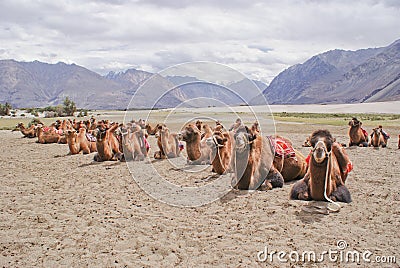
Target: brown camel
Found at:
x=107, y=145
x=199, y=124
x=78, y=142
x=151, y=130
x=377, y=138
x=167, y=143
x=207, y=131
x=196, y=148
x=306, y=143
x=47, y=137
x=221, y=145
x=288, y=161
x=328, y=168
x=134, y=143
x=358, y=136
x=252, y=162
x=27, y=132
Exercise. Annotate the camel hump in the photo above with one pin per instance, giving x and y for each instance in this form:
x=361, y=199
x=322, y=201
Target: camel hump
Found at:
x=341, y=156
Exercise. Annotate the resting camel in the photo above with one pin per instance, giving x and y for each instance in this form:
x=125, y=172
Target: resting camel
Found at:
x=199, y=124
x=252, y=162
x=377, y=138
x=134, y=144
x=288, y=161
x=77, y=142
x=151, y=130
x=207, y=131
x=47, y=137
x=196, y=148
x=167, y=143
x=329, y=164
x=27, y=132
x=358, y=136
x=107, y=145
x=221, y=146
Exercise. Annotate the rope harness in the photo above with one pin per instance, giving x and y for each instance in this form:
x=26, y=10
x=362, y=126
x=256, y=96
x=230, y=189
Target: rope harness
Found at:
x=316, y=206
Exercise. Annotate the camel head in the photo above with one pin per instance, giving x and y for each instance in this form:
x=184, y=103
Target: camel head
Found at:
x=70, y=133
x=20, y=124
x=354, y=122
x=377, y=132
x=198, y=124
x=243, y=138
x=189, y=133
x=101, y=134
x=321, y=142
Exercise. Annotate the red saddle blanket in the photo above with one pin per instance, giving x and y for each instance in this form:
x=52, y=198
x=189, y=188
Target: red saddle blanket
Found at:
x=364, y=132
x=282, y=148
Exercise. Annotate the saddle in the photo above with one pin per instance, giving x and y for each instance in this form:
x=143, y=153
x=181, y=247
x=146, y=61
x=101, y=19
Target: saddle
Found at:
x=90, y=137
x=282, y=148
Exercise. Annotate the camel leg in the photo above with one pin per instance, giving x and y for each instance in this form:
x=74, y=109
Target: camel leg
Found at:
x=300, y=191
x=275, y=178
x=341, y=194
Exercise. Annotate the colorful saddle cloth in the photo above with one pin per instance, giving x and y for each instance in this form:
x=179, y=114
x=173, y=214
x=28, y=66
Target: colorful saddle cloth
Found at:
x=282, y=148
x=364, y=132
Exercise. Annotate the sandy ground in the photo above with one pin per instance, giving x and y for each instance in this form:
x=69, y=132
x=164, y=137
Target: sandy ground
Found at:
x=60, y=210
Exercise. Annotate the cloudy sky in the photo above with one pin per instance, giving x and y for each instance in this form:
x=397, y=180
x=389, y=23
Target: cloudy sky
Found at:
x=258, y=38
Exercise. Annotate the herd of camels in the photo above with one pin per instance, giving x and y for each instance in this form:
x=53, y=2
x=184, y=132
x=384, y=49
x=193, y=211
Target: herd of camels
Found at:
x=255, y=161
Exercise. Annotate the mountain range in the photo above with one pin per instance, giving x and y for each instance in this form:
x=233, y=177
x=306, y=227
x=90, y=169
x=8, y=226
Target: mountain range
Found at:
x=336, y=76
x=339, y=76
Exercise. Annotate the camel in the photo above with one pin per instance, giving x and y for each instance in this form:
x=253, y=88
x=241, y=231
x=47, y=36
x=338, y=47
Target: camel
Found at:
x=47, y=137
x=307, y=142
x=252, y=162
x=150, y=130
x=358, y=136
x=377, y=138
x=221, y=145
x=196, y=148
x=27, y=132
x=207, y=132
x=329, y=166
x=107, y=145
x=134, y=144
x=167, y=143
x=199, y=124
x=288, y=161
x=79, y=143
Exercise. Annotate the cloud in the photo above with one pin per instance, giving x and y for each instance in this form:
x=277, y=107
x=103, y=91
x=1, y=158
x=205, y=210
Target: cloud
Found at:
x=259, y=38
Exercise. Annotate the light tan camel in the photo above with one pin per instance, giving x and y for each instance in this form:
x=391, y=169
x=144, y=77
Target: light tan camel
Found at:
x=377, y=138
x=27, y=132
x=253, y=162
x=47, y=137
x=167, y=143
x=221, y=146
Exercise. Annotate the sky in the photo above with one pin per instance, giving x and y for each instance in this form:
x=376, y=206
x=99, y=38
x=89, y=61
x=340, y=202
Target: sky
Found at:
x=257, y=38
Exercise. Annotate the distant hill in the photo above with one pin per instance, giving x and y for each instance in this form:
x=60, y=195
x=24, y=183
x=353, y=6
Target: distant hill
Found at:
x=338, y=76
x=38, y=84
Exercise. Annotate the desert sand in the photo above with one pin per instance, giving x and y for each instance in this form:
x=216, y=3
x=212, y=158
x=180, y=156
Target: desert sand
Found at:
x=61, y=210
